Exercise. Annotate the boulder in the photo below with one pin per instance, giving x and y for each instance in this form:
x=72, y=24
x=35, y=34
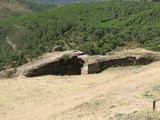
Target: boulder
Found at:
x=10, y=73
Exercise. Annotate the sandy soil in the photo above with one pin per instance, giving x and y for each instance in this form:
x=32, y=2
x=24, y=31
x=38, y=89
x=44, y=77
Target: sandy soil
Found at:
x=87, y=97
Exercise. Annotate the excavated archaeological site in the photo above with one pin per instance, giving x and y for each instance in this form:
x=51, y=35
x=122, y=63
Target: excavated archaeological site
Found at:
x=78, y=63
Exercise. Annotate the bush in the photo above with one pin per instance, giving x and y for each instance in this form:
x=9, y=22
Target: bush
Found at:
x=65, y=58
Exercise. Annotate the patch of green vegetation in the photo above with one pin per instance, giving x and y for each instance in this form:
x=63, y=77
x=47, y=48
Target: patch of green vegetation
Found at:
x=95, y=28
x=90, y=105
x=148, y=94
x=138, y=66
x=65, y=57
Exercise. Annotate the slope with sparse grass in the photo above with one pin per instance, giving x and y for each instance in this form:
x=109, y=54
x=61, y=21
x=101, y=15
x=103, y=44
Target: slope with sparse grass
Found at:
x=87, y=97
x=12, y=7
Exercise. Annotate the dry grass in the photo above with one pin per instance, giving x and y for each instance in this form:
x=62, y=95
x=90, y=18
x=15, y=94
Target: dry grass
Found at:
x=87, y=97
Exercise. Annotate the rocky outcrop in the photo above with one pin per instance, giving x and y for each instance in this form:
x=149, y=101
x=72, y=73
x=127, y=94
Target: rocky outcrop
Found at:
x=76, y=63
x=58, y=63
x=8, y=73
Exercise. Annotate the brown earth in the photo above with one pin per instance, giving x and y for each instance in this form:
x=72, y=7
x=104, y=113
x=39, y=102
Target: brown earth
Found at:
x=85, y=97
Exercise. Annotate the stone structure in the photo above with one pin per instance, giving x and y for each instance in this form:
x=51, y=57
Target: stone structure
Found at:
x=77, y=63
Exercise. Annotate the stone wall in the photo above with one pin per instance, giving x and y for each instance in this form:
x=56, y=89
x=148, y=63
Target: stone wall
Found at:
x=100, y=66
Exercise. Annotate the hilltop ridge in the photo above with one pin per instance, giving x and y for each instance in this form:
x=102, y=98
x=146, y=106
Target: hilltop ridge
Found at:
x=10, y=8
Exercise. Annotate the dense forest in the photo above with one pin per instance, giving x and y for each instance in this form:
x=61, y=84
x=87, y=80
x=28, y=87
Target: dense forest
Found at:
x=95, y=28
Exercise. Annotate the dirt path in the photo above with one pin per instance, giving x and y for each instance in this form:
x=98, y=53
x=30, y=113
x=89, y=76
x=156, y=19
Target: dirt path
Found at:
x=88, y=97
x=11, y=44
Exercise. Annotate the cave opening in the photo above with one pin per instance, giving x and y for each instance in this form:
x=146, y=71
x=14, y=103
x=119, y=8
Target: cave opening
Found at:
x=71, y=66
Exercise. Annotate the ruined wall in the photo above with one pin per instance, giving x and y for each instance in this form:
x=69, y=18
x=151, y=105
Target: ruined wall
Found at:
x=126, y=61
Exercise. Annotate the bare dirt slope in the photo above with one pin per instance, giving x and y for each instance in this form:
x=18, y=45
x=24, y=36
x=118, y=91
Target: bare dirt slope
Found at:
x=86, y=97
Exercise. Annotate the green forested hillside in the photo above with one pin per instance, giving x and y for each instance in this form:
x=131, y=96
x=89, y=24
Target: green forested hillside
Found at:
x=94, y=28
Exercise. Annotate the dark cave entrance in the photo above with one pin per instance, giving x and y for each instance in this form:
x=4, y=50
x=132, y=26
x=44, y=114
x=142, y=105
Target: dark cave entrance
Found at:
x=71, y=66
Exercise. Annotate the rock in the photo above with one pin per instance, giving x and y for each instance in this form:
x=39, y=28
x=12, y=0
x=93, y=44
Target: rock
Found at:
x=10, y=73
x=54, y=64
